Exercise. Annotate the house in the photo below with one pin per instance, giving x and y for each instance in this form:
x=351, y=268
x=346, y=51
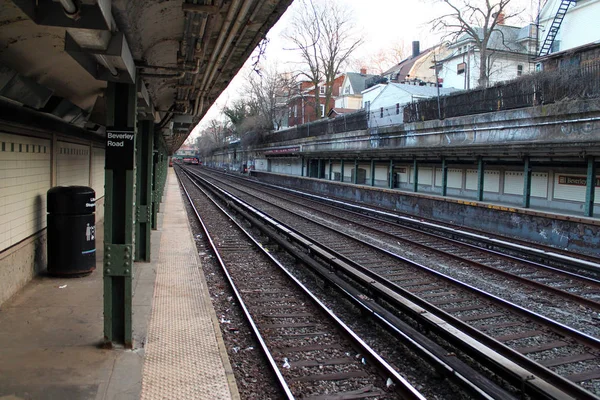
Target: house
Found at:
x=384, y=102
x=354, y=83
x=301, y=104
x=569, y=34
x=510, y=50
x=417, y=69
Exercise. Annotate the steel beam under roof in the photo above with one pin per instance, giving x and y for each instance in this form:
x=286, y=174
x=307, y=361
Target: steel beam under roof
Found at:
x=184, y=52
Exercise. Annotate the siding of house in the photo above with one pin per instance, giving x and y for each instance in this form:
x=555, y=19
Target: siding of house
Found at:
x=580, y=25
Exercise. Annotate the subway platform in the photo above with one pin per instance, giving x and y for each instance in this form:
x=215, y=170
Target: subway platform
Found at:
x=51, y=331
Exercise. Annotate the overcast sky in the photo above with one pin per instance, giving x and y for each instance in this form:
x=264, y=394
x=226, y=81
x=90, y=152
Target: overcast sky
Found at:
x=382, y=22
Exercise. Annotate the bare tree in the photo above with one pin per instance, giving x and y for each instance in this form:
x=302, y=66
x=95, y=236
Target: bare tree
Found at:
x=382, y=59
x=324, y=35
x=478, y=19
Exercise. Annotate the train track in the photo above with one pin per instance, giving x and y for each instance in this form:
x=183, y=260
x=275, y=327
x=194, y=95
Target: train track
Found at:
x=510, y=329
x=312, y=353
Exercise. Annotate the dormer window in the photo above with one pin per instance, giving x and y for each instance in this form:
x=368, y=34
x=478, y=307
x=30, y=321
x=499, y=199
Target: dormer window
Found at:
x=322, y=89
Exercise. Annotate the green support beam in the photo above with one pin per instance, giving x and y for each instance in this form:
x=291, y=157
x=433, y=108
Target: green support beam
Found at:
x=355, y=176
x=320, y=164
x=391, y=175
x=526, y=183
x=160, y=158
x=144, y=172
x=415, y=175
x=444, y=177
x=302, y=161
x=330, y=167
x=590, y=189
x=342, y=170
x=119, y=213
x=480, y=178
x=372, y=172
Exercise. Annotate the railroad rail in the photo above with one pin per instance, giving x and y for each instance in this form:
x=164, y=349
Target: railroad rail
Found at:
x=468, y=309
x=307, y=346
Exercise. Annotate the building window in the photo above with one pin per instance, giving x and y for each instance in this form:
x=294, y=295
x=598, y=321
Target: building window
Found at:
x=381, y=112
x=397, y=108
x=460, y=68
x=295, y=110
x=322, y=89
x=519, y=70
x=347, y=90
x=322, y=110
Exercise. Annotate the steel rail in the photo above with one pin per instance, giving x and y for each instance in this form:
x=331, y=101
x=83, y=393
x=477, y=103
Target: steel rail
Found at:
x=572, y=296
x=408, y=391
x=545, y=254
x=437, y=356
x=499, y=355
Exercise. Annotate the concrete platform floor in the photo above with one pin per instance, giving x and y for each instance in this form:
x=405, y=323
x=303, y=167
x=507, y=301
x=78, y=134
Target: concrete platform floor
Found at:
x=51, y=331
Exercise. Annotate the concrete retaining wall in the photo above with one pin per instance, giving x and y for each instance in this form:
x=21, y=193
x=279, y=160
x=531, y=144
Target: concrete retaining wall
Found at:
x=573, y=233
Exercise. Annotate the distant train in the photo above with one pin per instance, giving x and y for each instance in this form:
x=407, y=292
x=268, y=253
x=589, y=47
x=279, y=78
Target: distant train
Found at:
x=192, y=161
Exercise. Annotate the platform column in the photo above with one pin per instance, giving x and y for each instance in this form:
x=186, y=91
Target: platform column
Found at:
x=526, y=183
x=302, y=161
x=119, y=212
x=320, y=163
x=444, y=177
x=144, y=172
x=480, y=174
x=415, y=175
x=391, y=175
x=355, y=179
x=590, y=189
x=342, y=170
x=372, y=172
x=155, y=179
x=330, y=165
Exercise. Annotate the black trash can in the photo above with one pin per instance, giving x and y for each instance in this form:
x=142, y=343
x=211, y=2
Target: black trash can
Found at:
x=71, y=230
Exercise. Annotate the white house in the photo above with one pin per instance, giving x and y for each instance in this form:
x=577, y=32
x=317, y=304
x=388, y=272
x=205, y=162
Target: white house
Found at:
x=577, y=27
x=350, y=92
x=509, y=52
x=384, y=102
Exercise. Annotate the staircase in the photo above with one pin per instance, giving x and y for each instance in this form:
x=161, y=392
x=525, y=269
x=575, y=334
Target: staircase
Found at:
x=556, y=22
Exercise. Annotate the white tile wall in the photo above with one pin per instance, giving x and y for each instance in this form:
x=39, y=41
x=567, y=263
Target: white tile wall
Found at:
x=455, y=177
x=98, y=171
x=73, y=164
x=24, y=180
x=425, y=175
x=572, y=192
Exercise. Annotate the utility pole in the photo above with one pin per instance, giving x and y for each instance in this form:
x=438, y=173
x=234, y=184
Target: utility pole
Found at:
x=437, y=86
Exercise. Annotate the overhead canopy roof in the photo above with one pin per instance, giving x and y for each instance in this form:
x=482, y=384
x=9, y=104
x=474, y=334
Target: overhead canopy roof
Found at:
x=57, y=60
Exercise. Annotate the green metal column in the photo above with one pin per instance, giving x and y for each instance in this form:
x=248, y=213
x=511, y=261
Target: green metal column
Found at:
x=590, y=189
x=372, y=172
x=526, y=183
x=156, y=168
x=308, y=169
x=330, y=165
x=444, y=177
x=302, y=161
x=355, y=178
x=143, y=212
x=119, y=213
x=320, y=163
x=415, y=175
x=480, y=175
x=342, y=170
x=391, y=175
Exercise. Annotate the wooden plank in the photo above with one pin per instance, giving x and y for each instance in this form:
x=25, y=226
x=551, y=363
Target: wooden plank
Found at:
x=567, y=360
x=290, y=315
x=585, y=376
x=542, y=347
x=480, y=316
x=499, y=325
x=465, y=308
x=290, y=325
x=317, y=363
x=362, y=393
x=331, y=377
x=520, y=335
x=314, y=347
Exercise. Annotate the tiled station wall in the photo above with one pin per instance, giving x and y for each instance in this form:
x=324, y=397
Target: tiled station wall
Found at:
x=25, y=177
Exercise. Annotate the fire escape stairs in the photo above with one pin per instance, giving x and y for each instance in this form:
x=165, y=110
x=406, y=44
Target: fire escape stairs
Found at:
x=556, y=22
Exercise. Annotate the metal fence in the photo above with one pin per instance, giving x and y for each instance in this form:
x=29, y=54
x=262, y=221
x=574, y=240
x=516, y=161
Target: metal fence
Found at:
x=527, y=91
x=344, y=123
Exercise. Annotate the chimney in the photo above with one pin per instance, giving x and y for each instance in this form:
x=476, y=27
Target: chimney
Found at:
x=363, y=71
x=501, y=18
x=416, y=50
